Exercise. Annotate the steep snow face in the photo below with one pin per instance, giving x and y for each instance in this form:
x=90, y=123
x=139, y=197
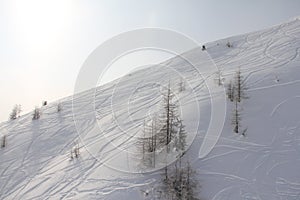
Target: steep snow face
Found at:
x=105, y=123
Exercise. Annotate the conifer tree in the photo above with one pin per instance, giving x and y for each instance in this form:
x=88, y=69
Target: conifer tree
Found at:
x=168, y=119
x=180, y=140
x=3, y=143
x=163, y=132
x=240, y=86
x=36, y=113
x=236, y=120
x=148, y=143
x=15, y=113
x=181, y=85
x=230, y=91
x=59, y=107
x=219, y=77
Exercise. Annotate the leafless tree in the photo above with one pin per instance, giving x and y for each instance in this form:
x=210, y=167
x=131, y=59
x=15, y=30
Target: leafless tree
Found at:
x=240, y=86
x=15, y=113
x=36, y=113
x=168, y=119
x=75, y=152
x=228, y=44
x=230, y=91
x=180, y=139
x=181, y=85
x=3, y=143
x=181, y=183
x=148, y=143
x=219, y=78
x=236, y=119
x=164, y=131
x=59, y=107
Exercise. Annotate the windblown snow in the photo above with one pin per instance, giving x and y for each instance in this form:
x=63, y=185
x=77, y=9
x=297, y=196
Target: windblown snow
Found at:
x=104, y=123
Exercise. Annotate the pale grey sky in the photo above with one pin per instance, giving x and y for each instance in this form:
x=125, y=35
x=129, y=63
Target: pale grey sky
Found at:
x=44, y=43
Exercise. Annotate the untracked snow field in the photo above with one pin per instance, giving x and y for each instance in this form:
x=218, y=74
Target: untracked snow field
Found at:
x=105, y=122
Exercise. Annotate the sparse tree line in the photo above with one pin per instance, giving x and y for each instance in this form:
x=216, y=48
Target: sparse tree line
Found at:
x=36, y=114
x=16, y=111
x=236, y=93
x=165, y=134
x=179, y=183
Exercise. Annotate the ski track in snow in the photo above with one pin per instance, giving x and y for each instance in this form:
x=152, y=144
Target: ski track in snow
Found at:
x=106, y=121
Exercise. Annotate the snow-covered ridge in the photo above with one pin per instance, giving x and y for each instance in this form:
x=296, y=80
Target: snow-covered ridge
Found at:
x=35, y=164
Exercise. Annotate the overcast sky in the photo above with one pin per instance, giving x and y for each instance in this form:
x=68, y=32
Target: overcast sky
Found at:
x=43, y=44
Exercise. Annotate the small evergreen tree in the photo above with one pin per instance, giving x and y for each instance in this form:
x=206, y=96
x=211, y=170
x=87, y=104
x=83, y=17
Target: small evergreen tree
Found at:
x=180, y=140
x=3, y=143
x=75, y=152
x=59, y=107
x=236, y=120
x=168, y=119
x=240, y=86
x=164, y=131
x=190, y=184
x=180, y=184
x=71, y=154
x=36, y=113
x=236, y=92
x=15, y=112
x=228, y=44
x=19, y=110
x=230, y=91
x=219, y=78
x=181, y=85
x=148, y=143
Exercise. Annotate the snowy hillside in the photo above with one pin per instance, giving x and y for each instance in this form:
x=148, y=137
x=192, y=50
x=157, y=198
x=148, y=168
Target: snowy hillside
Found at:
x=105, y=122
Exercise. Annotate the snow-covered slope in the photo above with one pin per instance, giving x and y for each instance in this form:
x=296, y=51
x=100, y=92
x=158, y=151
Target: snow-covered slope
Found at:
x=265, y=164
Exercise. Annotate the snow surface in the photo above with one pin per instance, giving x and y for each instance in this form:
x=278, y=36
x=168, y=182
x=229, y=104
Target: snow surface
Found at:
x=105, y=122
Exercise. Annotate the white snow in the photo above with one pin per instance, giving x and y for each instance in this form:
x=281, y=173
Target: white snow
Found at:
x=264, y=165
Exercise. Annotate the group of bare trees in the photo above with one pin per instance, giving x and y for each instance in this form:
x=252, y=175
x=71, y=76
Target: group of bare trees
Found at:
x=16, y=112
x=36, y=113
x=165, y=134
x=180, y=184
x=75, y=152
x=236, y=93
